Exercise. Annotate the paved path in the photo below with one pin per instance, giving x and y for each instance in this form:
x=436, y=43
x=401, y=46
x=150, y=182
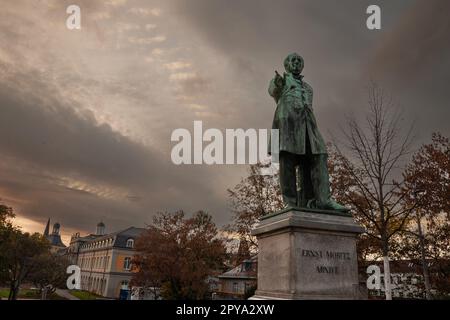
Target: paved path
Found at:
x=65, y=294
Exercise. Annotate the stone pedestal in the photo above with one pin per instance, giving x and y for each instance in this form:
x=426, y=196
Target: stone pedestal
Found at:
x=307, y=254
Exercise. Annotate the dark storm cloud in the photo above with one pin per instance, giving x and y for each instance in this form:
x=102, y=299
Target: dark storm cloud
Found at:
x=410, y=53
x=418, y=45
x=42, y=132
x=413, y=60
x=59, y=160
x=38, y=127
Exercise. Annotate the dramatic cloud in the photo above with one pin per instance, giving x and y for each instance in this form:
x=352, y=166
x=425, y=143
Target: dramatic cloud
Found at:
x=86, y=115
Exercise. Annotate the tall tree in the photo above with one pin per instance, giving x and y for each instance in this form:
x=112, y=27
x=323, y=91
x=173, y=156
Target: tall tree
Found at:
x=6, y=229
x=20, y=252
x=427, y=188
x=427, y=177
x=376, y=150
x=179, y=254
x=256, y=195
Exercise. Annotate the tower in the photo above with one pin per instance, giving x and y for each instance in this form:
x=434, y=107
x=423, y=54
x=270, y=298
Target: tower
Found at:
x=56, y=228
x=100, y=229
x=55, y=237
x=47, y=228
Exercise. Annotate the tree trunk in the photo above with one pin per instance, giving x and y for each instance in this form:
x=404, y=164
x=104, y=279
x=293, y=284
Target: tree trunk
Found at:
x=44, y=293
x=387, y=278
x=426, y=272
x=13, y=290
x=387, y=269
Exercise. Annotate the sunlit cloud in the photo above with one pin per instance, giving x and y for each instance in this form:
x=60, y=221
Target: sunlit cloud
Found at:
x=182, y=76
x=116, y=3
x=92, y=188
x=150, y=26
x=177, y=65
x=145, y=11
x=197, y=107
x=158, y=52
x=144, y=41
x=127, y=27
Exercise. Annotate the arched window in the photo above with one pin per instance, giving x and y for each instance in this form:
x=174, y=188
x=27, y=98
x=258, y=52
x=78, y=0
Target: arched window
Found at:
x=130, y=243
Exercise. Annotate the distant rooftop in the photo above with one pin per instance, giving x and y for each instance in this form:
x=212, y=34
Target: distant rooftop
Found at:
x=246, y=270
x=119, y=238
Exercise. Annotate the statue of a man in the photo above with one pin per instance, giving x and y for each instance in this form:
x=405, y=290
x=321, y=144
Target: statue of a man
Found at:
x=303, y=156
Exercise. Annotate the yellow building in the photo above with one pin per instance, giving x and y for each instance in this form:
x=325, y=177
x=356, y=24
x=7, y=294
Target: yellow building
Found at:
x=105, y=260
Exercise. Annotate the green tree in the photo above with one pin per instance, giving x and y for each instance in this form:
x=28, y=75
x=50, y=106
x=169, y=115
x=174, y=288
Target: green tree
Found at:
x=49, y=274
x=21, y=252
x=6, y=228
x=18, y=252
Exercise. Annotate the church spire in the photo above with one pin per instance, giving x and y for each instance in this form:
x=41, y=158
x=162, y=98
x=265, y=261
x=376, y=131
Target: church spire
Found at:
x=47, y=228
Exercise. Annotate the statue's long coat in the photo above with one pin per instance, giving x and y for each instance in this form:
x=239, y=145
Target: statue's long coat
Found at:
x=294, y=116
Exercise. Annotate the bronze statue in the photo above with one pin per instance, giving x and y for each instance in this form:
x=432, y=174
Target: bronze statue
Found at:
x=304, y=175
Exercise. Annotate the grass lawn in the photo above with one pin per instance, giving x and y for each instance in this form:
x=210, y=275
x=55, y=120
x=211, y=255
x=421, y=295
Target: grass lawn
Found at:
x=85, y=295
x=29, y=294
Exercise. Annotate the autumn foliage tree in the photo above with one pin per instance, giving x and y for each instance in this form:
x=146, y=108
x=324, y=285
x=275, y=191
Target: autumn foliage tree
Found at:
x=427, y=177
x=427, y=189
x=178, y=254
x=256, y=195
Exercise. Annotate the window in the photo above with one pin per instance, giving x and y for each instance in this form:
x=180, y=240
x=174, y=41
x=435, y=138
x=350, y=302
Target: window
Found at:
x=124, y=285
x=130, y=243
x=235, y=287
x=127, y=263
x=247, y=265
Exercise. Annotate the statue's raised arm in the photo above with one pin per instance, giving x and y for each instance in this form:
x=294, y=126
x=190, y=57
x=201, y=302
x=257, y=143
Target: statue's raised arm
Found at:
x=276, y=86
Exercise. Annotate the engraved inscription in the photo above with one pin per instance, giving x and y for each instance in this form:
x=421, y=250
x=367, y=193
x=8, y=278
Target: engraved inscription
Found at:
x=329, y=255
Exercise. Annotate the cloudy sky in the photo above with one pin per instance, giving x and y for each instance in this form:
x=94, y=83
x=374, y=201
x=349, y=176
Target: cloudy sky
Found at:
x=86, y=115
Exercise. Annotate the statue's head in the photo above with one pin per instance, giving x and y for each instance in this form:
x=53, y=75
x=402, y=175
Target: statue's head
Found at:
x=294, y=63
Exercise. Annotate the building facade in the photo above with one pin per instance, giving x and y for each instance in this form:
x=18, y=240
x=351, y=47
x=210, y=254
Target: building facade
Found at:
x=105, y=260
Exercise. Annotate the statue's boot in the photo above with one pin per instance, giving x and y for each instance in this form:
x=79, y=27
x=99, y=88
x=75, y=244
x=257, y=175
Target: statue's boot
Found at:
x=332, y=205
